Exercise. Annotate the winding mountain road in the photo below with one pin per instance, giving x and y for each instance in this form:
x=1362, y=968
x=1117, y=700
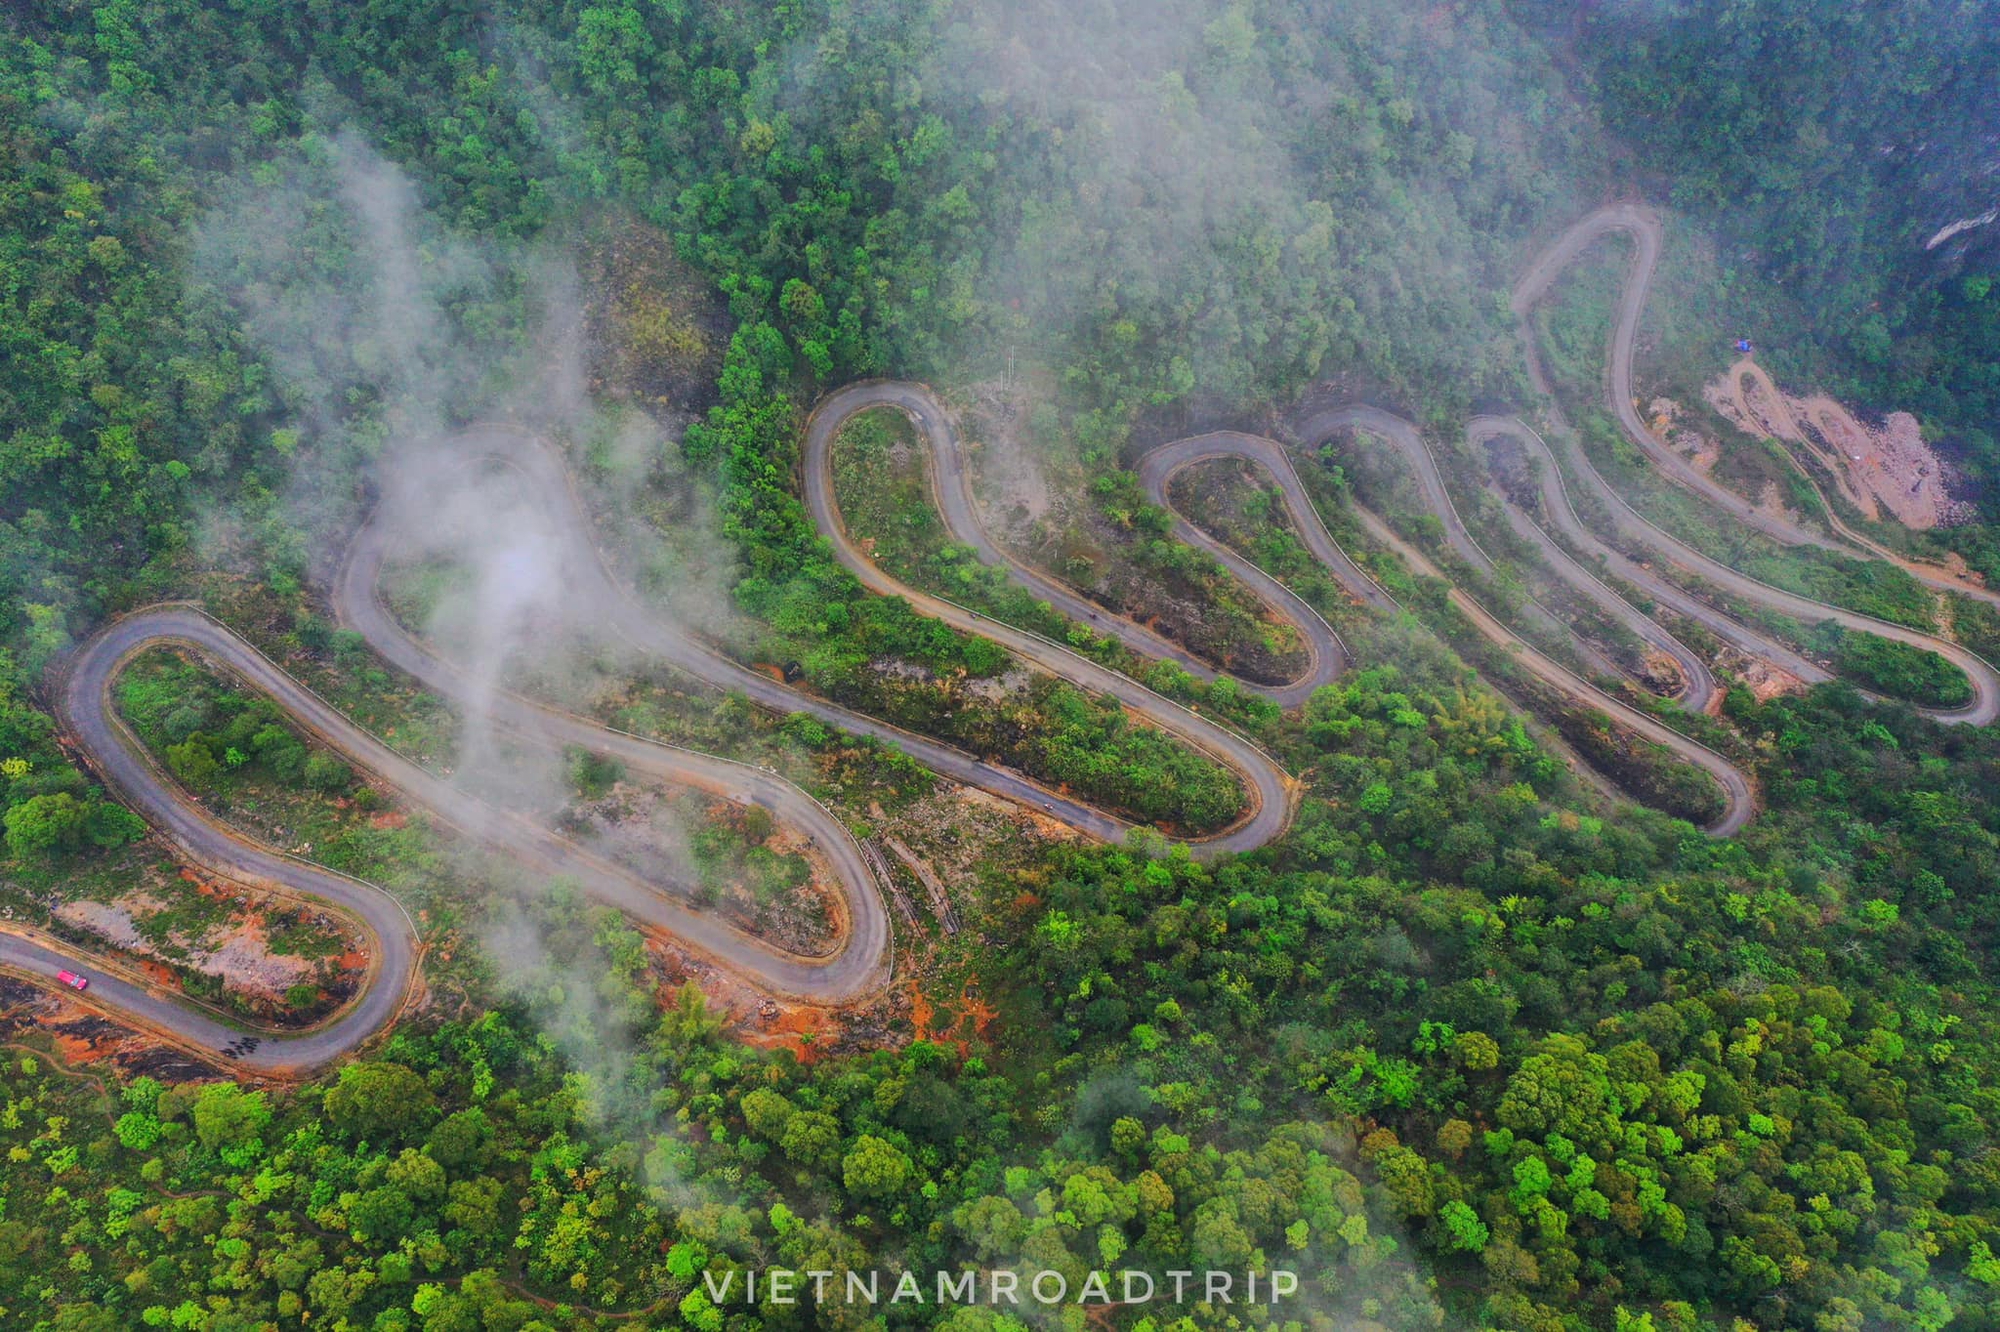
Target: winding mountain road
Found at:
x=1409, y=441
x=1643, y=226
x=1157, y=467
x=1739, y=803
x=1698, y=689
x=859, y=963
x=1931, y=575
x=1628, y=524
x=951, y=492
x=1558, y=510
x=1271, y=790
x=945, y=457
x=856, y=968
x=593, y=597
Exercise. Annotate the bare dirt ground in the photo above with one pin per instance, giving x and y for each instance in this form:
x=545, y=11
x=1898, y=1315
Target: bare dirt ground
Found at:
x=109, y=921
x=1764, y=681
x=1881, y=468
x=967, y=1015
x=229, y=939
x=650, y=829
x=997, y=688
x=958, y=832
x=83, y=1036
x=1701, y=449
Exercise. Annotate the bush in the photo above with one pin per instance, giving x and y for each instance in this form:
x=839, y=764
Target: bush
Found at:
x=45, y=824
x=1899, y=670
x=184, y=721
x=193, y=761
x=107, y=825
x=592, y=775
x=280, y=751
x=324, y=772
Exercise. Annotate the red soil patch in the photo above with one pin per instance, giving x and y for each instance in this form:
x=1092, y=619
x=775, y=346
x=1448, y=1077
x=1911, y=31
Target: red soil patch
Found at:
x=972, y=1009
x=752, y=1016
x=78, y=1049
x=788, y=1030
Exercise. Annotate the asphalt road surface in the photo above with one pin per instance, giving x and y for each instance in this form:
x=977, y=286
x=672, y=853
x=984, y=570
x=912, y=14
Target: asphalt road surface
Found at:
x=1158, y=466
x=857, y=967
x=1628, y=524
x=1270, y=789
x=859, y=963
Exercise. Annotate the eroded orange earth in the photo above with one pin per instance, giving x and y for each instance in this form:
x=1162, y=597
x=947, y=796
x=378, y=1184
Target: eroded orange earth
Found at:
x=802, y=1030
x=811, y=1031
x=1878, y=468
x=752, y=1016
x=82, y=1036
x=971, y=1008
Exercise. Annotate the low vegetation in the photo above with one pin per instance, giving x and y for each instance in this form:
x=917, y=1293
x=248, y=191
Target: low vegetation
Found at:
x=1897, y=670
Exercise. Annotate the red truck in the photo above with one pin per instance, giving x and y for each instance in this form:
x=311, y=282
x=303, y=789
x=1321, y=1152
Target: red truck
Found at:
x=74, y=981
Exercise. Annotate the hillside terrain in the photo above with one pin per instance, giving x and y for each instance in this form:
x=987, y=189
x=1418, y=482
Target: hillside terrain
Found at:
x=1352, y=647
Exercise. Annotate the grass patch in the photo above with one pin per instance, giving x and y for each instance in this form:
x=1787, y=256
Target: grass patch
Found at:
x=1897, y=670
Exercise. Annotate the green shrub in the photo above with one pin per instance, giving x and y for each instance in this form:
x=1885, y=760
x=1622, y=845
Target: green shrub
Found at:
x=324, y=772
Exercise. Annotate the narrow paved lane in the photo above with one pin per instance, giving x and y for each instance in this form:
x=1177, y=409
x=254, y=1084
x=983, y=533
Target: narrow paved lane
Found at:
x=1698, y=688
x=1558, y=509
x=1409, y=441
x=1644, y=227
x=858, y=964
x=1270, y=789
x=1739, y=796
x=857, y=967
x=951, y=491
x=1739, y=802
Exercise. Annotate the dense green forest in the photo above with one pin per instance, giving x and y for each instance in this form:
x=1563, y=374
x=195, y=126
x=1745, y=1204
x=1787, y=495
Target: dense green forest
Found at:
x=1457, y=1050
x=1828, y=147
